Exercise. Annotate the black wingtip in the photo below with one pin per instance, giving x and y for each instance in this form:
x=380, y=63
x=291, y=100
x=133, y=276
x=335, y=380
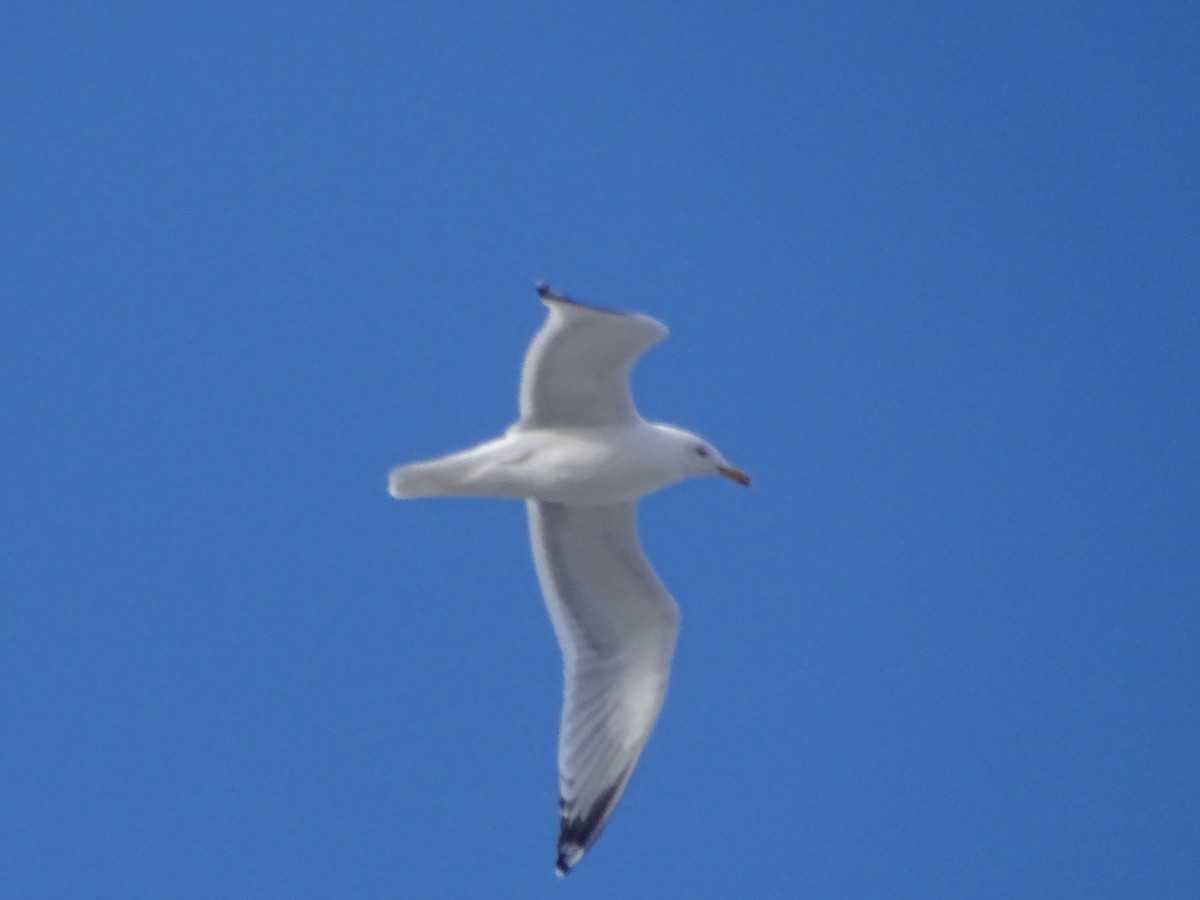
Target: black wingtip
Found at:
x=569, y=853
x=577, y=832
x=548, y=293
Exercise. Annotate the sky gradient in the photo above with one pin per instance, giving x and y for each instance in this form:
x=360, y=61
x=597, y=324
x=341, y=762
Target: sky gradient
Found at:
x=931, y=276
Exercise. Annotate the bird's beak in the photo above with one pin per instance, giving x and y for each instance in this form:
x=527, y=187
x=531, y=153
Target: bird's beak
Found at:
x=734, y=475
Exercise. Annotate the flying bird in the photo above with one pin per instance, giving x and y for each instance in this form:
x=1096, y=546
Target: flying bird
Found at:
x=580, y=456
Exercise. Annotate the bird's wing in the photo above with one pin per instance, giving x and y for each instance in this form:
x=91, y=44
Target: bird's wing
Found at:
x=616, y=625
x=576, y=371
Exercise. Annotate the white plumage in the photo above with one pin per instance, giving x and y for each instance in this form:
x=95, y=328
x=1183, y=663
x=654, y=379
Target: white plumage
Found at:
x=580, y=455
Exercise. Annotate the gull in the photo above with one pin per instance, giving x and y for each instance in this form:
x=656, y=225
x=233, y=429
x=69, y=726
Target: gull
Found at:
x=580, y=456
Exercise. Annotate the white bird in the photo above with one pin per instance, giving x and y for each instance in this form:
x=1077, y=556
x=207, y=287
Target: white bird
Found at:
x=580, y=456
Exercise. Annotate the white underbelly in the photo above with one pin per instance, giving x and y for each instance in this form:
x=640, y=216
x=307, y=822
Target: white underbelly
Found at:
x=585, y=472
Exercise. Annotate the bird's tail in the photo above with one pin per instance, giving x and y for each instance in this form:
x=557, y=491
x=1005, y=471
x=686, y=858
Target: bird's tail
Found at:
x=477, y=472
x=423, y=479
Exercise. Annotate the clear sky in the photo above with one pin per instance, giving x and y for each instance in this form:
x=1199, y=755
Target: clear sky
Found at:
x=932, y=275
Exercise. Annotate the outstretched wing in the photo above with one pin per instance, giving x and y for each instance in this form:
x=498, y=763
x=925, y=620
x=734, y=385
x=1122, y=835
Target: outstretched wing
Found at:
x=576, y=371
x=616, y=625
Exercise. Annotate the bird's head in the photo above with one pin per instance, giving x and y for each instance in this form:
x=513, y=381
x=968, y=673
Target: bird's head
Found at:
x=698, y=457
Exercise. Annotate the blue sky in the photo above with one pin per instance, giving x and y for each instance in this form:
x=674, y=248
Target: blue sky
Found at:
x=932, y=277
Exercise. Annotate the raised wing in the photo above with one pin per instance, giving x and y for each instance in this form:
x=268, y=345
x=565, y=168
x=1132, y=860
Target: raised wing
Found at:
x=616, y=625
x=577, y=369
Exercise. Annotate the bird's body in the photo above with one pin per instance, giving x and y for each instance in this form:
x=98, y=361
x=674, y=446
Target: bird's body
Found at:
x=585, y=466
x=580, y=456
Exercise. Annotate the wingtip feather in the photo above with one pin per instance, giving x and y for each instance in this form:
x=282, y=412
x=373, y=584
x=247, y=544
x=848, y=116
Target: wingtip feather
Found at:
x=547, y=293
x=569, y=853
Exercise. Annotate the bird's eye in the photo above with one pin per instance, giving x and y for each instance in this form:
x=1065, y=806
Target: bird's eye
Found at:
x=702, y=451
